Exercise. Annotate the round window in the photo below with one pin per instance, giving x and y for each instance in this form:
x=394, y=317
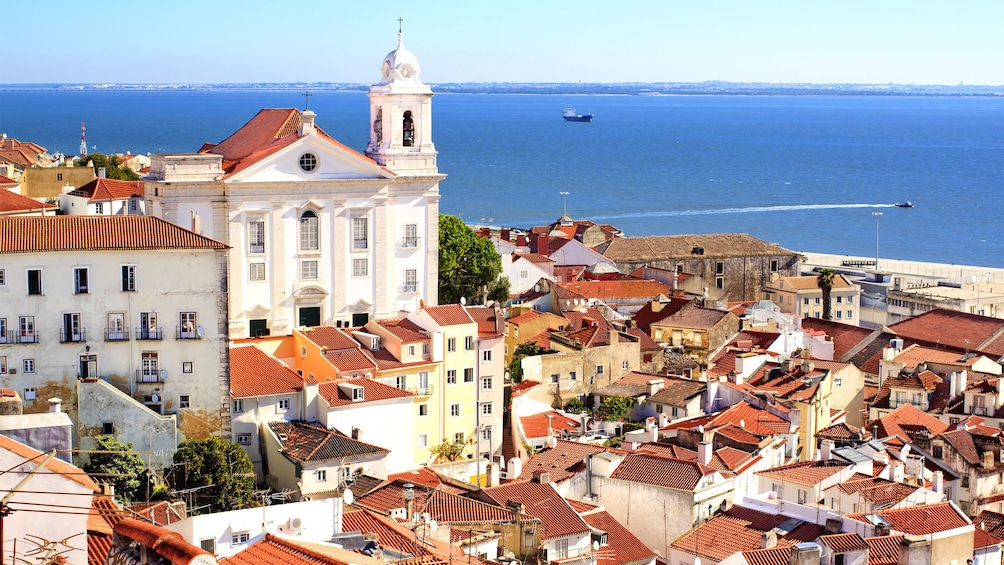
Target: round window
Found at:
x=308, y=162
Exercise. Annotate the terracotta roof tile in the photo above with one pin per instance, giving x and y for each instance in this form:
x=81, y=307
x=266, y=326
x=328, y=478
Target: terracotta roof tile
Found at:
x=541, y=425
x=677, y=392
x=256, y=373
x=12, y=202
x=310, y=442
x=591, y=316
x=562, y=461
x=372, y=391
x=844, y=543
x=906, y=420
x=839, y=431
x=271, y=549
x=738, y=529
x=983, y=539
x=105, y=513
x=165, y=544
x=918, y=520
x=992, y=522
x=622, y=548
x=960, y=330
x=694, y=318
x=351, y=360
x=399, y=538
x=648, y=313
x=404, y=329
x=845, y=336
x=104, y=189
x=443, y=507
x=55, y=466
x=771, y=556
x=655, y=248
x=645, y=342
x=808, y=473
x=330, y=338
x=485, y=316
x=877, y=490
x=616, y=289
x=557, y=518
x=449, y=314
x=884, y=550
x=32, y=234
x=666, y=472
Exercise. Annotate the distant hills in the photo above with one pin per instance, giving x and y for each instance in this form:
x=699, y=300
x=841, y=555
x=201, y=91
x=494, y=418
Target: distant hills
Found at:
x=621, y=88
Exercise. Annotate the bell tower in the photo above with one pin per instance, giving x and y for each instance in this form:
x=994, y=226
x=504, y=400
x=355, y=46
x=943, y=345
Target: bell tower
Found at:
x=401, y=116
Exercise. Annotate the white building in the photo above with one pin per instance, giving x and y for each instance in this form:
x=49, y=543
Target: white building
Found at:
x=320, y=234
x=130, y=300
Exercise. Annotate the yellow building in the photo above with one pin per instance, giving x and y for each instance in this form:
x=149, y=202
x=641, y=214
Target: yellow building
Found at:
x=50, y=182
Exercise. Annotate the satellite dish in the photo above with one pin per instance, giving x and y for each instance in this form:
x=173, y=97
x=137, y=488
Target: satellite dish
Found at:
x=463, y=301
x=433, y=525
x=348, y=497
x=200, y=331
x=596, y=545
x=163, y=374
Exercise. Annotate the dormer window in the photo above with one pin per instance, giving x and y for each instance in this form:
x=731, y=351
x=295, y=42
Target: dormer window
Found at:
x=408, y=130
x=358, y=394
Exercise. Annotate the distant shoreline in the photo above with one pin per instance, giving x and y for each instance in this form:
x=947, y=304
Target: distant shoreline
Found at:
x=570, y=89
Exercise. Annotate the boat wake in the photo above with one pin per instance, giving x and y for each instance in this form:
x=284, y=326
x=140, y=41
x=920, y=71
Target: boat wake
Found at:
x=746, y=210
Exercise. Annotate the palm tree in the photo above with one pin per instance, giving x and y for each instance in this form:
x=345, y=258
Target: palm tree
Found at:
x=825, y=283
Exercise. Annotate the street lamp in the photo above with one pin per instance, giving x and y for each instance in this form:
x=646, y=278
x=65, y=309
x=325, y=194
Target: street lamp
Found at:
x=877, y=216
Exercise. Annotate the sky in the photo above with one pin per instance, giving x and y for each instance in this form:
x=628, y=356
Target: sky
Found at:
x=225, y=41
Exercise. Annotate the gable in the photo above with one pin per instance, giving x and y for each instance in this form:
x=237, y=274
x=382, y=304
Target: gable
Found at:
x=280, y=162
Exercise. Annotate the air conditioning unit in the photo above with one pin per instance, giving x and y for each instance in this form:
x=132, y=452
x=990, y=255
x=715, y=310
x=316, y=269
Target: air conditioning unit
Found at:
x=295, y=524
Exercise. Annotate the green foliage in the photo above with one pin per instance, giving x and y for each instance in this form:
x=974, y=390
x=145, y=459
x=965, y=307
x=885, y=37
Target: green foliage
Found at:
x=499, y=290
x=528, y=349
x=218, y=462
x=576, y=406
x=825, y=283
x=159, y=492
x=113, y=168
x=468, y=263
x=614, y=408
x=129, y=467
x=450, y=451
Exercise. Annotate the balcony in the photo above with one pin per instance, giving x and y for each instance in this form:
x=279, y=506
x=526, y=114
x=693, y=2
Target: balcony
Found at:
x=117, y=335
x=72, y=336
x=420, y=390
x=15, y=336
x=149, y=376
x=569, y=555
x=411, y=288
x=150, y=333
x=187, y=332
x=980, y=410
x=410, y=242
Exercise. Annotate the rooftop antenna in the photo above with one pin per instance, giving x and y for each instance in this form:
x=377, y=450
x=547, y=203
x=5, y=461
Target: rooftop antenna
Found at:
x=306, y=100
x=83, y=140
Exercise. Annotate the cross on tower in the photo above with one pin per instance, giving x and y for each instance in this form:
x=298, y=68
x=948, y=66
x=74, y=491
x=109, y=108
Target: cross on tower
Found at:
x=400, y=21
x=306, y=100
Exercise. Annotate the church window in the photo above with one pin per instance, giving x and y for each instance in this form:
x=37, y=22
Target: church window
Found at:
x=360, y=233
x=256, y=236
x=308, y=162
x=360, y=268
x=308, y=231
x=408, y=131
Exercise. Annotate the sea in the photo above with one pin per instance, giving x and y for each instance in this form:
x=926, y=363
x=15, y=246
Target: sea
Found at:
x=811, y=172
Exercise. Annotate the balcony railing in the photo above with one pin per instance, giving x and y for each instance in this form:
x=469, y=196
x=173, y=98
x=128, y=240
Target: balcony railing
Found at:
x=149, y=333
x=116, y=335
x=14, y=336
x=410, y=242
x=981, y=410
x=146, y=376
x=420, y=390
x=185, y=333
x=411, y=288
x=569, y=554
x=72, y=336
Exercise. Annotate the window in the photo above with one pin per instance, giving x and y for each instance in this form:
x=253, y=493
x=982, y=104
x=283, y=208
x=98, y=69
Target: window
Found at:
x=256, y=236
x=423, y=409
x=773, y=265
x=451, y=376
x=805, y=301
x=423, y=382
x=486, y=383
x=188, y=326
x=599, y=369
x=411, y=235
x=28, y=366
x=308, y=162
x=486, y=433
x=184, y=401
x=360, y=268
x=455, y=410
x=801, y=496
x=107, y=428
x=3, y=277
x=469, y=375
x=407, y=130
x=360, y=233
x=3, y=364
x=840, y=315
x=572, y=376
x=486, y=409
x=71, y=328
x=128, y=278
x=282, y=405
x=308, y=270
x=148, y=328
x=133, y=206
x=965, y=481
x=818, y=300
x=624, y=365
x=469, y=343
x=80, y=280
x=554, y=378
x=115, y=329
x=34, y=281
x=720, y=268
x=26, y=329
x=451, y=344
x=3, y=330
x=208, y=544
x=720, y=282
x=149, y=367
x=411, y=350
x=256, y=271
x=939, y=451
x=838, y=381
x=425, y=349
x=308, y=230
x=238, y=406
x=850, y=314
x=411, y=280
x=401, y=382
x=458, y=437
x=423, y=440
x=850, y=300
x=321, y=475
x=239, y=538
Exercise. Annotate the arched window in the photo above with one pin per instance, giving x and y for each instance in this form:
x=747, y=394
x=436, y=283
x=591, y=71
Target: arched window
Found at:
x=308, y=231
x=408, y=131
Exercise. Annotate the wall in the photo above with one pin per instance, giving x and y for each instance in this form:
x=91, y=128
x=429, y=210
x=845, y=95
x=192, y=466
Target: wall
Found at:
x=372, y=418
x=146, y=430
x=48, y=182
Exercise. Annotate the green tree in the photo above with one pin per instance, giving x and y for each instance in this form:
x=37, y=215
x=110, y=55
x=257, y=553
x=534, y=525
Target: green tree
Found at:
x=116, y=464
x=214, y=461
x=113, y=167
x=450, y=451
x=576, y=406
x=614, y=408
x=825, y=283
x=499, y=290
x=528, y=349
x=468, y=263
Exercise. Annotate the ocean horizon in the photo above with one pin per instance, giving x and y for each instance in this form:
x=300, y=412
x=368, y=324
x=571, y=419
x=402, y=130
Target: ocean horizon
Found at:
x=806, y=172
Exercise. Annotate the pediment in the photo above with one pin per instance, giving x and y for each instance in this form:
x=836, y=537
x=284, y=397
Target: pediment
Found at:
x=258, y=311
x=310, y=291
x=360, y=306
x=334, y=161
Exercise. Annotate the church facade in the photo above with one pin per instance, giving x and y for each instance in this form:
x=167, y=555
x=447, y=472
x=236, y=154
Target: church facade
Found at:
x=320, y=234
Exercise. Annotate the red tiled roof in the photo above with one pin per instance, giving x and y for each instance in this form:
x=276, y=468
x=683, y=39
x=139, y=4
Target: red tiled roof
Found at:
x=694, y=318
x=622, y=548
x=12, y=202
x=103, y=189
x=918, y=520
x=646, y=315
x=562, y=461
x=55, y=466
x=404, y=329
x=844, y=543
x=534, y=257
x=960, y=330
x=539, y=425
x=399, y=538
x=372, y=392
x=256, y=373
x=613, y=290
x=750, y=418
x=992, y=522
x=523, y=386
x=808, y=473
x=449, y=314
x=984, y=539
x=350, y=360
x=5, y=180
x=645, y=342
x=310, y=442
x=557, y=518
x=580, y=320
x=165, y=544
x=443, y=507
x=739, y=529
x=845, y=336
x=668, y=450
x=105, y=513
x=770, y=556
x=839, y=431
x=877, y=490
x=660, y=471
x=330, y=338
x=485, y=317
x=271, y=549
x=906, y=420
x=157, y=513
x=525, y=317
x=32, y=234
x=884, y=550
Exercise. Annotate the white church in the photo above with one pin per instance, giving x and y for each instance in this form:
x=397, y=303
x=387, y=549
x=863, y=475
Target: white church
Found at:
x=319, y=233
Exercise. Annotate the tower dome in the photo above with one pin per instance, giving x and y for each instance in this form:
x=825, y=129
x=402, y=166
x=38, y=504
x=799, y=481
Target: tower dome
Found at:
x=400, y=65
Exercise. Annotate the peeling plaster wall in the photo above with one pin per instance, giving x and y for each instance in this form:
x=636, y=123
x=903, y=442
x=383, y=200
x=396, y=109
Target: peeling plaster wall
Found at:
x=147, y=431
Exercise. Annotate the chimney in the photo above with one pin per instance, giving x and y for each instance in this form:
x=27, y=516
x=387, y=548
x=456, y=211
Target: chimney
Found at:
x=542, y=477
x=939, y=482
x=786, y=366
x=676, y=279
x=655, y=385
x=504, y=234
x=768, y=540
x=102, y=173
x=988, y=459
x=704, y=453
x=807, y=367
x=408, y=494
x=307, y=123
x=824, y=451
x=196, y=222
x=542, y=247
x=663, y=420
x=55, y=405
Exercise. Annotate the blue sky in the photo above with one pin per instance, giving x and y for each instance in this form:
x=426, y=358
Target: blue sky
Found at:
x=215, y=41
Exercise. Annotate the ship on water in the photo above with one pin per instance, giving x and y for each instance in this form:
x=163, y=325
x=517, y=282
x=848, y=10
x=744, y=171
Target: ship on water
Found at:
x=571, y=115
